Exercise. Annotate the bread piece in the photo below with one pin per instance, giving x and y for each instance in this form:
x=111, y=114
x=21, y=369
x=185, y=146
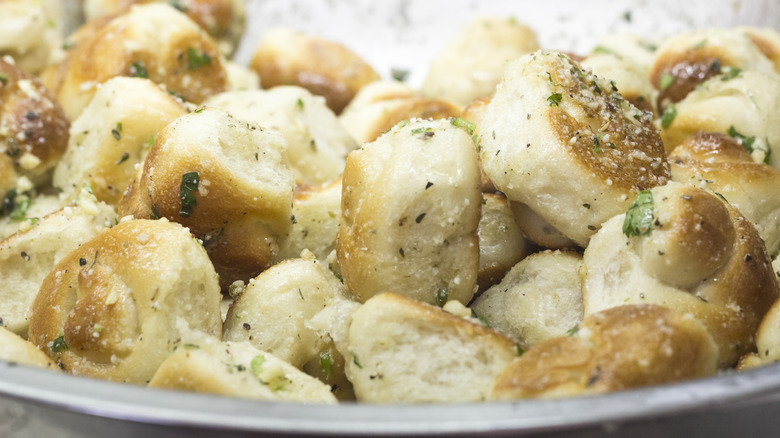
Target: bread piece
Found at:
x=538, y=230
x=14, y=349
x=695, y=254
x=688, y=59
x=409, y=214
x=224, y=179
x=317, y=210
x=33, y=127
x=620, y=348
x=224, y=20
x=470, y=65
x=271, y=313
x=501, y=243
x=109, y=309
x=288, y=57
x=404, y=351
x=202, y=363
x=318, y=144
x=112, y=136
x=566, y=144
x=744, y=105
x=718, y=163
x=474, y=113
x=154, y=41
x=538, y=299
x=380, y=105
x=31, y=32
x=27, y=256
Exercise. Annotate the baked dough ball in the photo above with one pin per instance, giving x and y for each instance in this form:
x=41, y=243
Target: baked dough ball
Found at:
x=474, y=113
x=470, y=65
x=325, y=68
x=33, y=127
x=380, y=105
x=620, y=348
x=240, y=78
x=31, y=32
x=566, y=144
x=224, y=179
x=718, y=163
x=538, y=230
x=409, y=214
x=744, y=105
x=630, y=78
x=538, y=299
x=501, y=243
x=154, y=41
x=404, y=351
x=224, y=20
x=27, y=256
x=271, y=313
x=112, y=136
x=318, y=144
x=109, y=308
x=688, y=59
x=202, y=363
x=14, y=349
x=316, y=210
x=690, y=251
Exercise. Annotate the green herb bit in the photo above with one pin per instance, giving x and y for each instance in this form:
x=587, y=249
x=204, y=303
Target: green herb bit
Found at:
x=116, y=132
x=573, y=331
x=597, y=143
x=463, y=124
x=9, y=202
x=666, y=81
x=745, y=141
x=197, y=60
x=399, y=75
x=155, y=213
x=356, y=362
x=20, y=209
x=639, y=217
x=555, y=99
x=326, y=364
x=191, y=346
x=728, y=73
x=150, y=143
x=58, y=344
x=3, y=78
x=441, y=295
x=97, y=328
x=299, y=103
x=421, y=130
x=668, y=117
x=68, y=46
x=596, y=87
x=125, y=157
x=520, y=350
x=189, y=184
x=256, y=365
x=138, y=70
x=603, y=50
x=700, y=44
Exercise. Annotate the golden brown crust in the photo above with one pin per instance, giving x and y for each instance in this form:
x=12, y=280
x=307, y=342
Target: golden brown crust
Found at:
x=33, y=127
x=325, y=68
x=153, y=40
x=110, y=308
x=620, y=348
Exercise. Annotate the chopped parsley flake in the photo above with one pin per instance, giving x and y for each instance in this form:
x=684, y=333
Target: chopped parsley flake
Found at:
x=189, y=184
x=463, y=124
x=520, y=350
x=398, y=74
x=125, y=157
x=669, y=114
x=441, y=295
x=729, y=73
x=666, y=81
x=155, y=213
x=749, y=143
x=555, y=99
x=138, y=70
x=197, y=60
x=256, y=365
x=299, y=103
x=639, y=217
x=117, y=131
x=59, y=344
x=3, y=78
x=326, y=364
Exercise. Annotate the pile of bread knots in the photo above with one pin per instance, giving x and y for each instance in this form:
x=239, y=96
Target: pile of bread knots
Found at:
x=529, y=223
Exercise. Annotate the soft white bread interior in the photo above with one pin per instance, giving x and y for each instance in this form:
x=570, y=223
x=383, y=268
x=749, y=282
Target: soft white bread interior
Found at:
x=616, y=349
x=686, y=249
x=404, y=351
x=408, y=221
x=316, y=210
x=27, y=256
x=31, y=32
x=271, y=313
x=203, y=363
x=501, y=242
x=227, y=181
x=109, y=309
x=470, y=65
x=565, y=143
x=15, y=349
x=112, y=136
x=537, y=300
x=317, y=143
